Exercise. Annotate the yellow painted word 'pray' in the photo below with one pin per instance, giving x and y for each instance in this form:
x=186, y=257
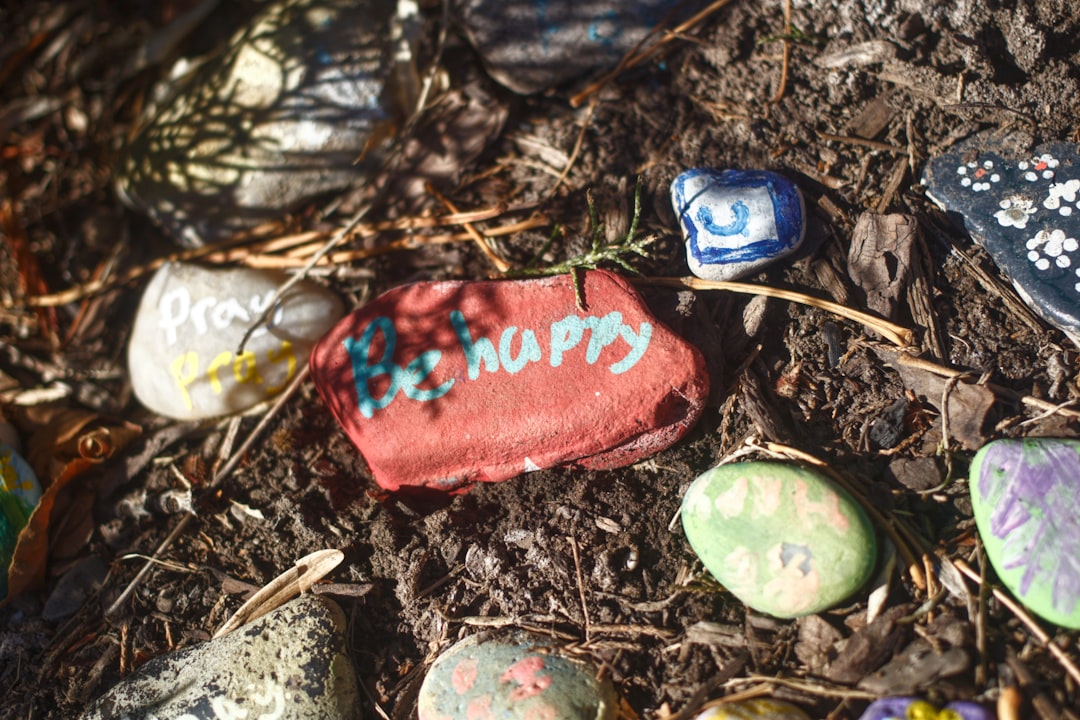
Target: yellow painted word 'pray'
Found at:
x=186, y=369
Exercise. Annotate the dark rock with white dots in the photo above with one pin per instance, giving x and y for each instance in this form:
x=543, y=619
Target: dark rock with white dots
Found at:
x=1023, y=206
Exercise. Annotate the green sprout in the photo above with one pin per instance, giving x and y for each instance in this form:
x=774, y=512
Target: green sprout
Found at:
x=616, y=252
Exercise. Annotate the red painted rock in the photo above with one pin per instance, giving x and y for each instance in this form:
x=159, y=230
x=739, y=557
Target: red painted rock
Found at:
x=449, y=383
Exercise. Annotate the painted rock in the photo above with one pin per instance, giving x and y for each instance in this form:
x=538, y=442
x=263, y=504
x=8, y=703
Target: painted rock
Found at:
x=758, y=709
x=183, y=356
x=1024, y=208
x=281, y=115
x=516, y=678
x=907, y=708
x=19, y=495
x=1026, y=499
x=448, y=383
x=783, y=539
x=737, y=221
x=533, y=45
x=290, y=663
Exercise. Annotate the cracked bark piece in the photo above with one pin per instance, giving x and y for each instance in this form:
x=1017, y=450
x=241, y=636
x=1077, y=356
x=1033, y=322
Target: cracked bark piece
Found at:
x=1024, y=208
x=444, y=384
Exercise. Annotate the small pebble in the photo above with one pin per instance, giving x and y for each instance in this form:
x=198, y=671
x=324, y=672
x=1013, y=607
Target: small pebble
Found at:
x=1023, y=206
x=19, y=495
x=782, y=538
x=522, y=677
x=909, y=708
x=290, y=663
x=507, y=377
x=1025, y=495
x=757, y=709
x=737, y=221
x=183, y=357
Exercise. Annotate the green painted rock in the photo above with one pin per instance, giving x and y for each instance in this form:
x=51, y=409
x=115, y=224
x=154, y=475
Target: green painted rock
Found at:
x=757, y=709
x=1026, y=497
x=19, y=495
x=783, y=539
x=523, y=677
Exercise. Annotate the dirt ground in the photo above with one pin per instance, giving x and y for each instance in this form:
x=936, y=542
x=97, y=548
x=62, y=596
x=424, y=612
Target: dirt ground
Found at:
x=848, y=99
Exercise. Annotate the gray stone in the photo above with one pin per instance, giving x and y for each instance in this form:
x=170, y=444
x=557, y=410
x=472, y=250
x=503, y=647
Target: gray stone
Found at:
x=289, y=665
x=534, y=45
x=282, y=115
x=183, y=356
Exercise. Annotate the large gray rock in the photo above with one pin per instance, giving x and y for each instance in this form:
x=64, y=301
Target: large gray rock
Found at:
x=533, y=45
x=183, y=355
x=288, y=665
x=282, y=115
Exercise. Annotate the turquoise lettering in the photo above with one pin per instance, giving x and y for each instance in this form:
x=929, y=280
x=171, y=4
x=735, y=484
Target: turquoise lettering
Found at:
x=565, y=334
x=605, y=331
x=530, y=350
x=404, y=380
x=363, y=373
x=475, y=352
x=638, y=342
x=417, y=371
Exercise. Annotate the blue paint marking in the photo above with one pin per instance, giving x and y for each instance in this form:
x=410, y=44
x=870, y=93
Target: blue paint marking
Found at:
x=736, y=227
x=787, y=215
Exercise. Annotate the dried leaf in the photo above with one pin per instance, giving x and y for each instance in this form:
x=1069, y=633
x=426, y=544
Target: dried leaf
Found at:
x=64, y=443
x=297, y=579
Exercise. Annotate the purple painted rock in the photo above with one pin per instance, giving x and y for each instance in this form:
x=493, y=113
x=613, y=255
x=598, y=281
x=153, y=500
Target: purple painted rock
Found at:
x=1026, y=498
x=449, y=383
x=909, y=708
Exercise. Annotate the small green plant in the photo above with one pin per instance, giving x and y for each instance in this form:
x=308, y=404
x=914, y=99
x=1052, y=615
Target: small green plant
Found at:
x=601, y=251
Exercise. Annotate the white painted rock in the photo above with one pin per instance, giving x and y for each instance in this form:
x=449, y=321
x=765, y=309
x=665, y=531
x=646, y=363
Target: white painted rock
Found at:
x=737, y=221
x=521, y=677
x=290, y=664
x=183, y=355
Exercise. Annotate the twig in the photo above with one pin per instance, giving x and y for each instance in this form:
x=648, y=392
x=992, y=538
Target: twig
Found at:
x=576, y=151
x=580, y=585
x=1040, y=634
x=481, y=242
x=900, y=336
x=787, y=55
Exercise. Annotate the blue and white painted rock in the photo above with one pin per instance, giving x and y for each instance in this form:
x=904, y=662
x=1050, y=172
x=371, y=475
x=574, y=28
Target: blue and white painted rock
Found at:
x=783, y=539
x=909, y=708
x=183, y=357
x=19, y=495
x=290, y=663
x=522, y=677
x=757, y=709
x=1025, y=210
x=1026, y=498
x=281, y=116
x=737, y=221
x=532, y=45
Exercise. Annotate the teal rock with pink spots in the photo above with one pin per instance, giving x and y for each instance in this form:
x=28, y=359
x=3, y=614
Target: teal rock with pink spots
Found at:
x=522, y=677
x=1025, y=495
x=783, y=539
